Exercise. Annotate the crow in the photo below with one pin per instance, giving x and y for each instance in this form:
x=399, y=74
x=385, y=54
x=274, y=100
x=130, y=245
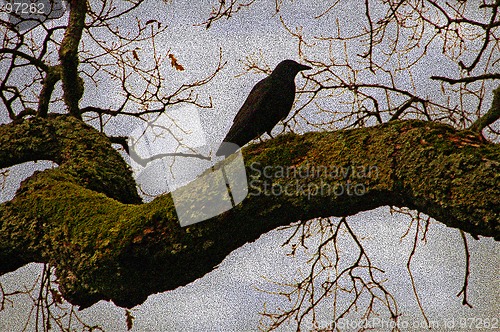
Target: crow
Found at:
x=268, y=103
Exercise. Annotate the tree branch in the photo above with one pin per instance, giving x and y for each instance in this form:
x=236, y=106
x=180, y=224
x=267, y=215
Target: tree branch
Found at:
x=403, y=108
x=51, y=78
x=68, y=54
x=491, y=116
x=468, y=79
x=467, y=271
x=74, y=216
x=34, y=61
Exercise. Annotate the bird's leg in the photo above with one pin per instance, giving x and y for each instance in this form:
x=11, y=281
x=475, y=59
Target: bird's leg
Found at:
x=226, y=180
x=228, y=187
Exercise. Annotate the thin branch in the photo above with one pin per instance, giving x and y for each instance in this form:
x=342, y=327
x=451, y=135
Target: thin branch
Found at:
x=467, y=271
x=32, y=60
x=487, y=38
x=467, y=79
x=403, y=108
x=408, y=267
x=491, y=116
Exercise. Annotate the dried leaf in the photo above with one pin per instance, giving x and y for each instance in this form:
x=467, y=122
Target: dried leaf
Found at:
x=153, y=21
x=56, y=296
x=174, y=63
x=134, y=53
x=130, y=320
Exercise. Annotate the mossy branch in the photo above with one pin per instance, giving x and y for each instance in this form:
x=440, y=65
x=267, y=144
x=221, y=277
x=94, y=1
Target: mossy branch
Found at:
x=491, y=116
x=72, y=83
x=52, y=76
x=77, y=217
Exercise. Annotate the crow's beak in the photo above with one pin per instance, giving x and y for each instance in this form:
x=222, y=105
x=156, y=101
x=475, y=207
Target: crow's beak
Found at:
x=304, y=67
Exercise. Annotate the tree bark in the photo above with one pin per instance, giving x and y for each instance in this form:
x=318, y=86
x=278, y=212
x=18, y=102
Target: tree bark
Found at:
x=72, y=83
x=85, y=217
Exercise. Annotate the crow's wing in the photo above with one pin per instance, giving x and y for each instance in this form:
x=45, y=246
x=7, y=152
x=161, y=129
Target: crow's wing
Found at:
x=245, y=125
x=245, y=121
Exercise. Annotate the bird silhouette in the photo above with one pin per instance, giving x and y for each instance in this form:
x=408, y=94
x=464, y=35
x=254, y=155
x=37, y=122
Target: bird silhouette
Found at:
x=268, y=103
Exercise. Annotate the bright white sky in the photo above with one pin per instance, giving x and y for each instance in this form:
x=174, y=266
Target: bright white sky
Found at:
x=227, y=299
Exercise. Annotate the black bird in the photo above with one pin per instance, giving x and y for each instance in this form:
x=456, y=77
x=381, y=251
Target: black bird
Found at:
x=268, y=103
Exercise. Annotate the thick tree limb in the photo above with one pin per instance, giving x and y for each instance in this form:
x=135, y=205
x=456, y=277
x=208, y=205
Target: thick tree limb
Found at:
x=68, y=54
x=52, y=76
x=73, y=216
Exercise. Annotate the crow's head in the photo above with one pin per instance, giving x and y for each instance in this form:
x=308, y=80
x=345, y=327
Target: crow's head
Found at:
x=287, y=69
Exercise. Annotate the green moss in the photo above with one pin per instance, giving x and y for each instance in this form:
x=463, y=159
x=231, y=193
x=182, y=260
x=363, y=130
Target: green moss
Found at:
x=78, y=216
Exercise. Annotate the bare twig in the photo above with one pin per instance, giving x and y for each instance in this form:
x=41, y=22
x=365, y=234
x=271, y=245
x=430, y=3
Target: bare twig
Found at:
x=467, y=271
x=469, y=79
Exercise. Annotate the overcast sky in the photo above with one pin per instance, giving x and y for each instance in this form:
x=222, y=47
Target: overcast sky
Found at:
x=228, y=298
